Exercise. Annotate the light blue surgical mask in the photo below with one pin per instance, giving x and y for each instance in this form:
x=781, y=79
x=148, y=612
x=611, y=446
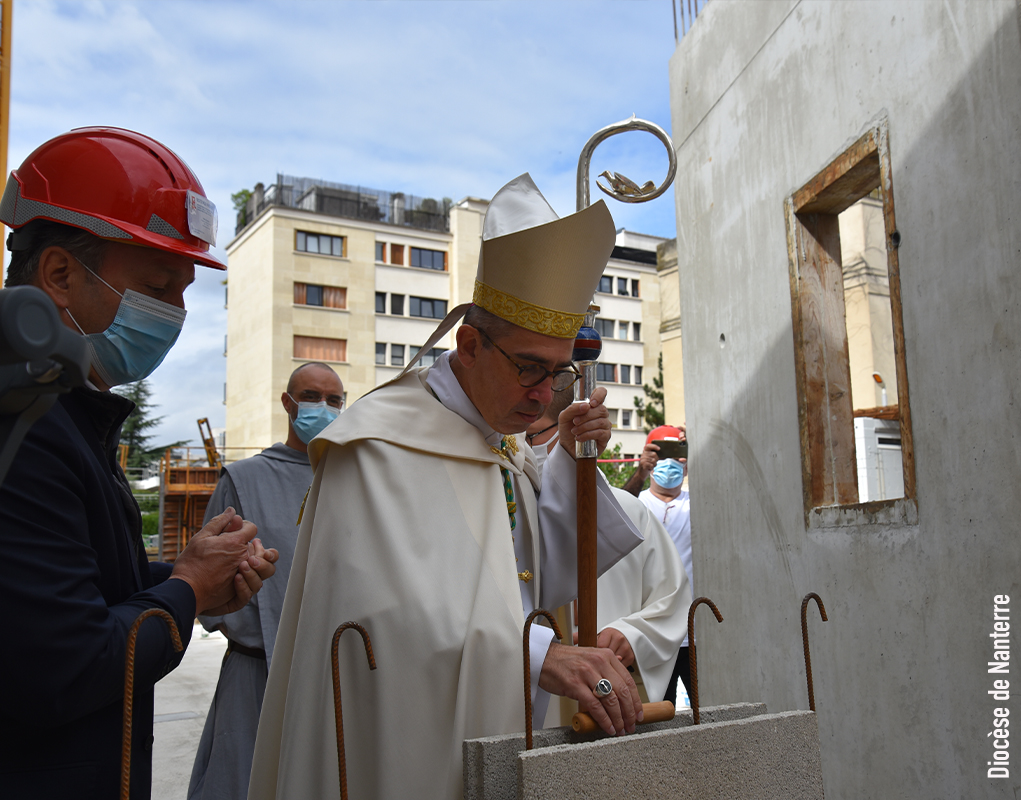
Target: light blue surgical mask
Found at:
x=312, y=419
x=138, y=339
x=669, y=473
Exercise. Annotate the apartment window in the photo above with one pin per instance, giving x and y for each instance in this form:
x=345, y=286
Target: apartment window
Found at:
x=612, y=413
x=622, y=329
x=848, y=330
x=604, y=327
x=428, y=259
x=638, y=375
x=625, y=373
x=636, y=331
x=397, y=304
x=605, y=284
x=381, y=252
x=428, y=358
x=316, y=348
x=380, y=302
x=634, y=287
x=625, y=419
x=381, y=352
x=311, y=294
x=324, y=244
x=622, y=286
x=427, y=307
x=606, y=373
x=397, y=355
x=397, y=254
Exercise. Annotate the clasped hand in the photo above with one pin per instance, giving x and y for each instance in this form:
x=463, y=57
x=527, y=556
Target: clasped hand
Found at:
x=225, y=564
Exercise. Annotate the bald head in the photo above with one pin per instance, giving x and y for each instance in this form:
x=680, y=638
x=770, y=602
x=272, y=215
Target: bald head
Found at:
x=324, y=371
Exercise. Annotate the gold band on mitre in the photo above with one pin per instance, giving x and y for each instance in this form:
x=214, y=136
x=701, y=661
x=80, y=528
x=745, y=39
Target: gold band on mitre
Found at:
x=547, y=321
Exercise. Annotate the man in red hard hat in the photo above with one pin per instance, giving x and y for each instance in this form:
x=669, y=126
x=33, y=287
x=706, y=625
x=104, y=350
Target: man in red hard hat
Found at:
x=109, y=224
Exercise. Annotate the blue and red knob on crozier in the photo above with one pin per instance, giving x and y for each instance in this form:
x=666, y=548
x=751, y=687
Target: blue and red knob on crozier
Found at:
x=587, y=345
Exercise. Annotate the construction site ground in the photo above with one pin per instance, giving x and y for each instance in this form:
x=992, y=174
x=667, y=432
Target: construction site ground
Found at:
x=182, y=701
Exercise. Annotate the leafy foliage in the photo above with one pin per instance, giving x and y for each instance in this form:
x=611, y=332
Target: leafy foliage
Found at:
x=617, y=474
x=240, y=199
x=652, y=410
x=136, y=432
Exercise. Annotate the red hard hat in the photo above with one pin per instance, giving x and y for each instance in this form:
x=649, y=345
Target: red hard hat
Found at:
x=663, y=432
x=119, y=185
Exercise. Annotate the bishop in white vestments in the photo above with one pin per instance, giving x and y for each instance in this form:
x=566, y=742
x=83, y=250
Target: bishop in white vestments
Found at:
x=427, y=524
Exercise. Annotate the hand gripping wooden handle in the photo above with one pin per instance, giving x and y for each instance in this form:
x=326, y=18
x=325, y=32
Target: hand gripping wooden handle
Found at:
x=653, y=712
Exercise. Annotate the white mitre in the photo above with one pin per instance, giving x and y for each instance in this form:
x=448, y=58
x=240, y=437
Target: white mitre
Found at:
x=536, y=270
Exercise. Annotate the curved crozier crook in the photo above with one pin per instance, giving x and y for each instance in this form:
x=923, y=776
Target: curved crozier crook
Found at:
x=621, y=188
x=804, y=639
x=692, y=659
x=338, y=713
x=528, y=668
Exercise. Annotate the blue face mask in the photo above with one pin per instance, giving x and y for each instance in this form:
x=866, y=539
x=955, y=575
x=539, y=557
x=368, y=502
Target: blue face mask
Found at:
x=138, y=339
x=312, y=419
x=669, y=474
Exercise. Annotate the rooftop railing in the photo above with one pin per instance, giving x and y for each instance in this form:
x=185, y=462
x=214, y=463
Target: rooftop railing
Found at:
x=349, y=202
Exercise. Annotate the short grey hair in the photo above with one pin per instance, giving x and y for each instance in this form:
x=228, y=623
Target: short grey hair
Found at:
x=42, y=233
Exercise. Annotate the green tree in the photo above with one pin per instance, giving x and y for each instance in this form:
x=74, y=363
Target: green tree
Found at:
x=240, y=199
x=617, y=474
x=136, y=432
x=652, y=410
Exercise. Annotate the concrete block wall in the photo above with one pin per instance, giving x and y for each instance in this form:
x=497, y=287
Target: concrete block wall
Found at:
x=768, y=757
x=491, y=763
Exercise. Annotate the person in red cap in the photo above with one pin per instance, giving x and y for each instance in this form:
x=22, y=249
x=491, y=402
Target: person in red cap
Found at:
x=109, y=224
x=667, y=500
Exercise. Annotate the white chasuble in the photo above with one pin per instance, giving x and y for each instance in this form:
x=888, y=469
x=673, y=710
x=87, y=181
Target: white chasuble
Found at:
x=405, y=531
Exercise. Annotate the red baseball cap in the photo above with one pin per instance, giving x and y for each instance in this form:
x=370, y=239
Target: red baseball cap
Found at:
x=663, y=432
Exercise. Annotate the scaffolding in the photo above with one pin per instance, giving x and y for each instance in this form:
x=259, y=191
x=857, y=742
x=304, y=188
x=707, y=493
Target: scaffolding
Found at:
x=187, y=482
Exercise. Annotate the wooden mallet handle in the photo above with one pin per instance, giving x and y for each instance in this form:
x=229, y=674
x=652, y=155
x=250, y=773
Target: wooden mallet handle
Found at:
x=654, y=712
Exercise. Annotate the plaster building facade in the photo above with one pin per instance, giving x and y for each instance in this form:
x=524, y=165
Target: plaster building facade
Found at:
x=360, y=278
x=785, y=115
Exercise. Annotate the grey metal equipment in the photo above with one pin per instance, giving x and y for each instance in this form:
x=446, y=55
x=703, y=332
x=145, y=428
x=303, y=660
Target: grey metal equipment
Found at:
x=39, y=358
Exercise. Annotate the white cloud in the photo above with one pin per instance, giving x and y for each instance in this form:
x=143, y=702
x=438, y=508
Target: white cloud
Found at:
x=440, y=99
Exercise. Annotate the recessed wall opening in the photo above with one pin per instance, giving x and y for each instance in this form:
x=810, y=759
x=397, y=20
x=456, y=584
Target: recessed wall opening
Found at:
x=853, y=407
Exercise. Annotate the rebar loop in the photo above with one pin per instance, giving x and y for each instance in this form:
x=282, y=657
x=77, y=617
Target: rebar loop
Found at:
x=692, y=660
x=528, y=669
x=129, y=686
x=804, y=639
x=335, y=660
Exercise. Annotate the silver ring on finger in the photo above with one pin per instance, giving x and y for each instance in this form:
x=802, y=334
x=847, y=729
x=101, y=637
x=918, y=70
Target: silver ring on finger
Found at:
x=602, y=689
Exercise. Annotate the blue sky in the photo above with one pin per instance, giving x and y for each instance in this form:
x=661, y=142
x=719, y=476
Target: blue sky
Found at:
x=432, y=98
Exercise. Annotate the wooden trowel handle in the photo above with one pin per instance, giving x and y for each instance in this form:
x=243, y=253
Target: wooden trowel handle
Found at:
x=653, y=712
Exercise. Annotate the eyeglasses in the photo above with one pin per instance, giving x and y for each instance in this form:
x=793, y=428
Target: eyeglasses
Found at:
x=532, y=374
x=334, y=400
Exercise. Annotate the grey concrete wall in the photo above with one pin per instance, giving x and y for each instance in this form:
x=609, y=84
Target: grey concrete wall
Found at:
x=769, y=757
x=491, y=763
x=764, y=95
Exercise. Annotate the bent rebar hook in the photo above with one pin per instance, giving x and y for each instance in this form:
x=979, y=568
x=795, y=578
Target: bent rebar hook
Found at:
x=804, y=638
x=692, y=660
x=129, y=686
x=339, y=714
x=528, y=669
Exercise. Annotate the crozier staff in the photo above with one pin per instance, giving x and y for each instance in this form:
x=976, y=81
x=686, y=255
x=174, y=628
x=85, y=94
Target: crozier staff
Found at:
x=109, y=224
x=427, y=523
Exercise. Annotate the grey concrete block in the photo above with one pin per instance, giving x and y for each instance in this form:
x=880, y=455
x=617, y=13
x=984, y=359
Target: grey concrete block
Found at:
x=769, y=757
x=490, y=764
